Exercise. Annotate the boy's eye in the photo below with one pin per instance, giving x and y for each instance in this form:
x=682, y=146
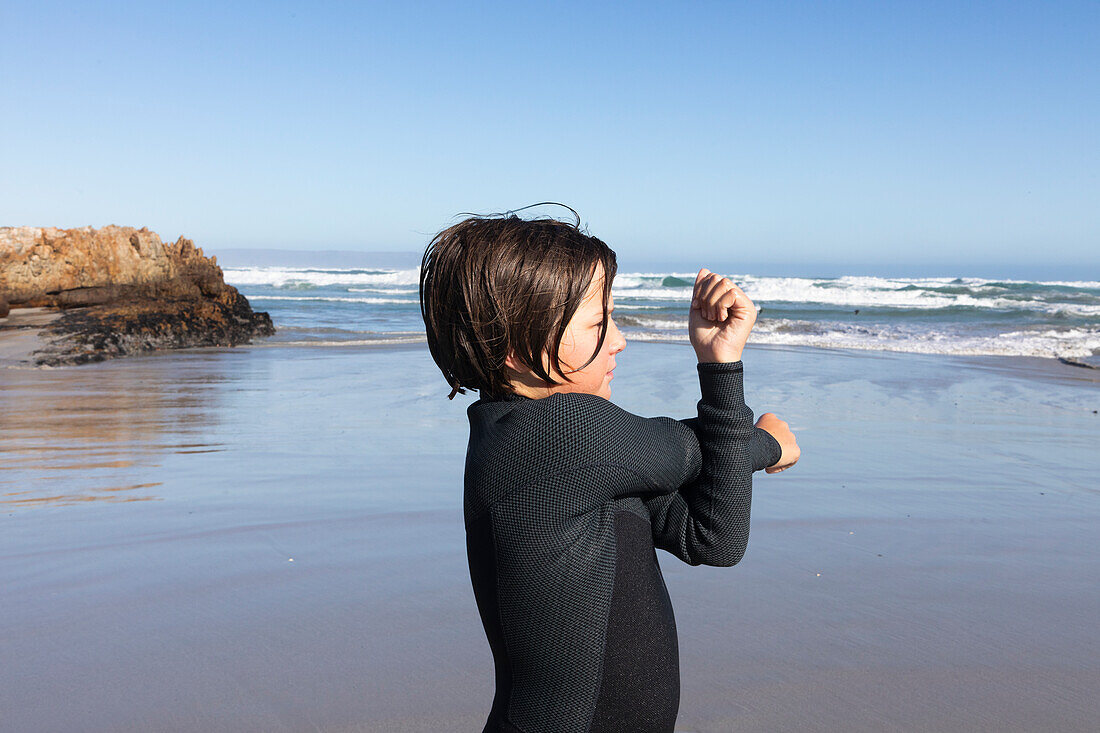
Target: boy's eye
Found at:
x=610, y=315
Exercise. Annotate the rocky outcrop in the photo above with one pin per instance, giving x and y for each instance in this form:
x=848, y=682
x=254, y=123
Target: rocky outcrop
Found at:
x=123, y=291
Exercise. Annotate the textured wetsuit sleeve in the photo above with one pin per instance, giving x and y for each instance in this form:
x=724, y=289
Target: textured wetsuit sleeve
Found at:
x=764, y=448
x=706, y=522
x=634, y=455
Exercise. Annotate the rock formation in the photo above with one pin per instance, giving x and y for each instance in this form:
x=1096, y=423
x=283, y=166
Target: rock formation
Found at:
x=123, y=291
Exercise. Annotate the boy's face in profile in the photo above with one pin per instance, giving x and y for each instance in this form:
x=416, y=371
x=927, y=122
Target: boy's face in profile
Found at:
x=577, y=345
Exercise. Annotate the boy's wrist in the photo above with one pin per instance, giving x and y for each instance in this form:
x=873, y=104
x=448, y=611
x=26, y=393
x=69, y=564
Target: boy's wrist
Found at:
x=725, y=358
x=721, y=384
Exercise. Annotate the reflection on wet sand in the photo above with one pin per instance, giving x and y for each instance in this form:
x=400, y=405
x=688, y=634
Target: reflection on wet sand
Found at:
x=100, y=432
x=20, y=498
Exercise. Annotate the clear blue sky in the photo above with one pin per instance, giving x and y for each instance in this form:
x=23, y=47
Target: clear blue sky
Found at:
x=876, y=133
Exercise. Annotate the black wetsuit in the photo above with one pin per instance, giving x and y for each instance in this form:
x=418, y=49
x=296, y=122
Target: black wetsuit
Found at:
x=565, y=499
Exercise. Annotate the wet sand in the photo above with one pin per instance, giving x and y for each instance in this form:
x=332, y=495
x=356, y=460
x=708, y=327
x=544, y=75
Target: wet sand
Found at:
x=19, y=334
x=271, y=540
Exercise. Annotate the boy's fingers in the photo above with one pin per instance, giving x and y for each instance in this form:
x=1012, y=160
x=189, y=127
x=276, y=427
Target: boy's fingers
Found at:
x=702, y=283
x=726, y=306
x=696, y=293
x=777, y=468
x=716, y=288
x=735, y=300
x=715, y=295
x=704, y=289
x=741, y=300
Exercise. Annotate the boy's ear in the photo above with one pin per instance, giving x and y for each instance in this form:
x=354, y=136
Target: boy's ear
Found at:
x=512, y=362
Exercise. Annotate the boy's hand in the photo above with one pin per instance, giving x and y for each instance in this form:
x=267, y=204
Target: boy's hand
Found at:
x=783, y=435
x=720, y=319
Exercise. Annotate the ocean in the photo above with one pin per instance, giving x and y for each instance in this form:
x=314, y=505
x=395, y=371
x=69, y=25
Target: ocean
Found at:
x=355, y=306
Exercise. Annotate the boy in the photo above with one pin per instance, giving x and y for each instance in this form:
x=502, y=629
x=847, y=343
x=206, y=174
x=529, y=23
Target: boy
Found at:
x=567, y=495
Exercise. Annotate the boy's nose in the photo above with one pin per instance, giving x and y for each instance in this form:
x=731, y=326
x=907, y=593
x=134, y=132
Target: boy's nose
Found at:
x=618, y=343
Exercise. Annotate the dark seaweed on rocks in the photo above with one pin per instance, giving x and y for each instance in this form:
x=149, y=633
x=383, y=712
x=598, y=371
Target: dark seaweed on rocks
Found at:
x=97, y=333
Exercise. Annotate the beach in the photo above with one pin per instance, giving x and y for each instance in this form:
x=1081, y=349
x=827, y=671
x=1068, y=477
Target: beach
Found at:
x=270, y=538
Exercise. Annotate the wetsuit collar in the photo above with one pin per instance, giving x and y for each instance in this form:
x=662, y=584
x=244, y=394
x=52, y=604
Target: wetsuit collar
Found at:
x=505, y=397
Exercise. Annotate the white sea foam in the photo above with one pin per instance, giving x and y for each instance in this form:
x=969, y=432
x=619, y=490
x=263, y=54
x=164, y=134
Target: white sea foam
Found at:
x=848, y=291
x=626, y=281
x=1076, y=342
x=332, y=299
x=407, y=290
x=634, y=279
x=868, y=292
x=657, y=322
x=283, y=276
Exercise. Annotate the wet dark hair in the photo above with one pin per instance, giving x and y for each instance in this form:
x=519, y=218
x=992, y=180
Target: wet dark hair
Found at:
x=499, y=283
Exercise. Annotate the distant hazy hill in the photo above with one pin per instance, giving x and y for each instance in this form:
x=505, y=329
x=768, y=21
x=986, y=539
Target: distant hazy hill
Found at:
x=315, y=258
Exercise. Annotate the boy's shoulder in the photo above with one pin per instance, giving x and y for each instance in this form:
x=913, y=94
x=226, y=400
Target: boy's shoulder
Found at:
x=516, y=442
x=563, y=431
x=578, y=413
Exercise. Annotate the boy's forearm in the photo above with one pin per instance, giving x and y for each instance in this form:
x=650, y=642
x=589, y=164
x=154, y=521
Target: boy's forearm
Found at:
x=763, y=447
x=707, y=520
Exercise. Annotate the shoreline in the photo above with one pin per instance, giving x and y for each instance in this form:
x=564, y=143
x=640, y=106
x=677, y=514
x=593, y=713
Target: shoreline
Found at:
x=19, y=335
x=19, y=330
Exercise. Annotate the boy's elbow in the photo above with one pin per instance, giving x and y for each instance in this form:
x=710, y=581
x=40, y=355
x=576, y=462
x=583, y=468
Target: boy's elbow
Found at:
x=727, y=559
x=719, y=555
